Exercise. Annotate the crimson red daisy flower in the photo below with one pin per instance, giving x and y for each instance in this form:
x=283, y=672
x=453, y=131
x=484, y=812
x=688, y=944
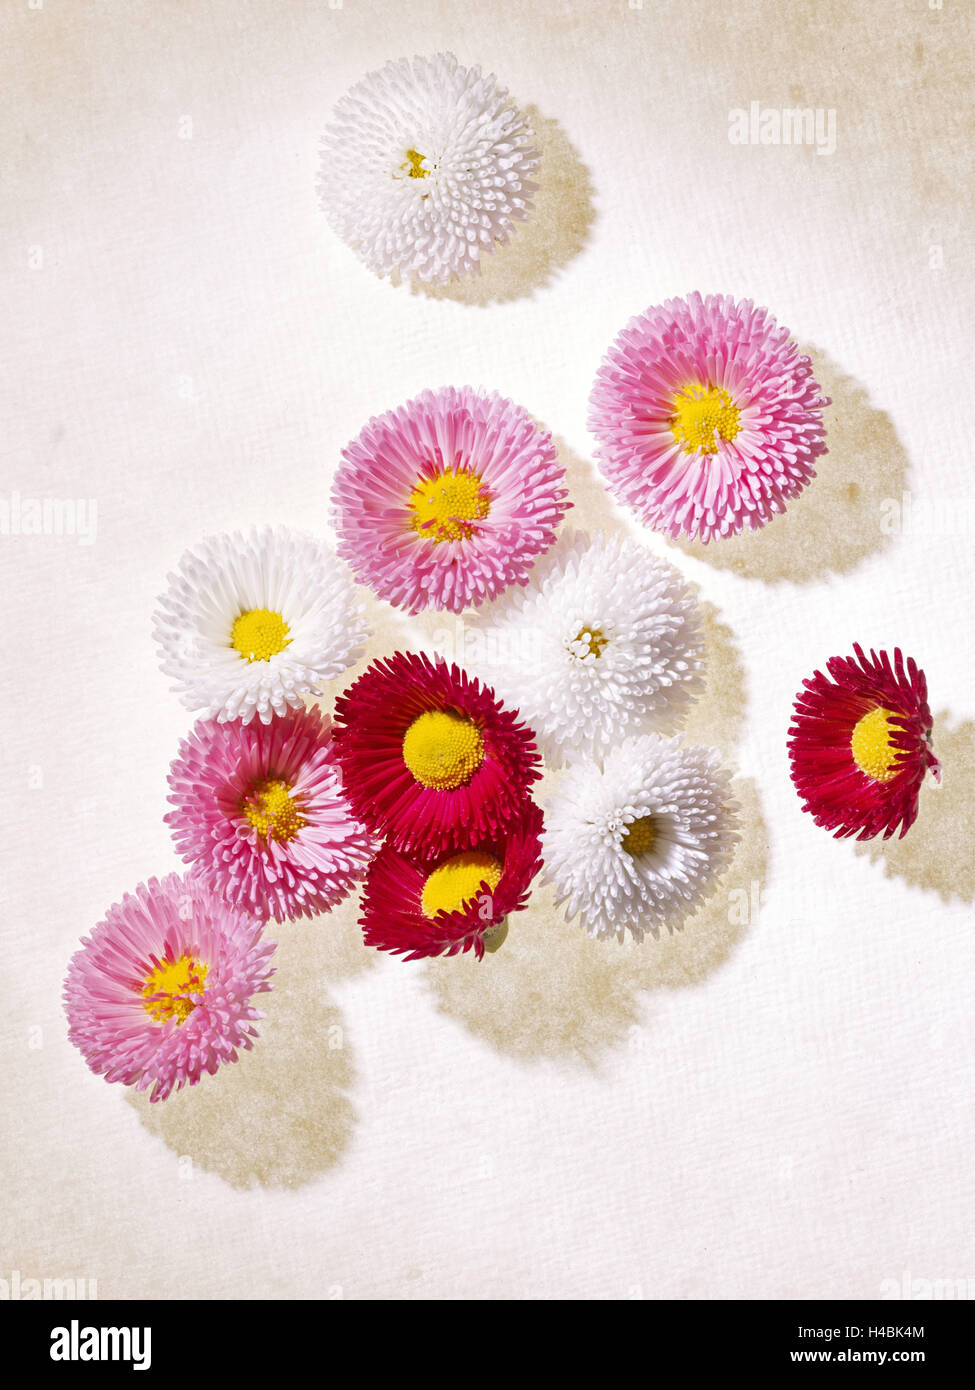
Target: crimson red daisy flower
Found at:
x=418, y=905
x=860, y=744
x=430, y=758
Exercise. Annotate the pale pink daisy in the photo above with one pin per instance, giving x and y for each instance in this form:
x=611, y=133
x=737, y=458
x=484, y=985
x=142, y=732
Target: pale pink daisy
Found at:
x=447, y=500
x=262, y=817
x=708, y=417
x=160, y=992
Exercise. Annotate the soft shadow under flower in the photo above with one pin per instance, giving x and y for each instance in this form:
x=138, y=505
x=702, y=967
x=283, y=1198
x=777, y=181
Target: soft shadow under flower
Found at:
x=936, y=853
x=551, y=992
x=539, y=249
x=844, y=514
x=281, y=1116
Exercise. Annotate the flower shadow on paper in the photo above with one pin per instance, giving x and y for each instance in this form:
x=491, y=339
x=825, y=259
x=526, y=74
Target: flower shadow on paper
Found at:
x=844, y=514
x=555, y=233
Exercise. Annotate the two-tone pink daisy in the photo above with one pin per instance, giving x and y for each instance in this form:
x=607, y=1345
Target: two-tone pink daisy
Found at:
x=708, y=417
x=430, y=758
x=161, y=991
x=261, y=815
x=447, y=500
x=860, y=744
x=418, y=905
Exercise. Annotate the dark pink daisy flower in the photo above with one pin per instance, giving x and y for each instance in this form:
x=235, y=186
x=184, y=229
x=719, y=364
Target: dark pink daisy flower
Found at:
x=708, y=417
x=446, y=501
x=160, y=992
x=434, y=905
x=430, y=758
x=859, y=744
x=262, y=817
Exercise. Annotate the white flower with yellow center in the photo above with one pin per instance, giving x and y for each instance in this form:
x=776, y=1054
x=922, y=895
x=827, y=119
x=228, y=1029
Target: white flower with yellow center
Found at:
x=602, y=643
x=639, y=845
x=249, y=625
x=425, y=166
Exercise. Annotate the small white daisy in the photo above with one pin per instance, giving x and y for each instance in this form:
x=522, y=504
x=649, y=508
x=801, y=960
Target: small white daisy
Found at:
x=425, y=166
x=249, y=624
x=602, y=643
x=639, y=845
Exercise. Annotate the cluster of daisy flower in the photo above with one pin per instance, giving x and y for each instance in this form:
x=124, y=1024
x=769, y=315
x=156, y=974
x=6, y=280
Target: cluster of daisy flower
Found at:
x=418, y=784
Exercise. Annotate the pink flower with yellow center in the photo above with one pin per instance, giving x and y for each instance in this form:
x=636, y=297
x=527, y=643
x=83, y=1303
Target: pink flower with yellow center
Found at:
x=446, y=501
x=261, y=815
x=160, y=993
x=708, y=417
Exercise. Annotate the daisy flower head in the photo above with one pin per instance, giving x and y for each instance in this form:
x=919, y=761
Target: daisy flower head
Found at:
x=261, y=816
x=859, y=744
x=430, y=758
x=447, y=500
x=425, y=166
x=708, y=417
x=161, y=991
x=418, y=905
x=603, y=642
x=640, y=844
x=248, y=625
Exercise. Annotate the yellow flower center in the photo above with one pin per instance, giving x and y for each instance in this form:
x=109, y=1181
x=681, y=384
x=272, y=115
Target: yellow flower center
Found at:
x=272, y=813
x=171, y=979
x=457, y=880
x=260, y=634
x=594, y=638
x=442, y=749
x=870, y=745
x=416, y=171
x=700, y=413
x=446, y=506
x=640, y=836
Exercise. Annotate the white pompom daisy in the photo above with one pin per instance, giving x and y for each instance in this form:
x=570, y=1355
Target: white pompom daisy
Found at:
x=639, y=845
x=426, y=165
x=248, y=625
x=604, y=642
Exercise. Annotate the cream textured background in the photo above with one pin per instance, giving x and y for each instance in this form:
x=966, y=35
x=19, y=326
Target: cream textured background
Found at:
x=775, y=1108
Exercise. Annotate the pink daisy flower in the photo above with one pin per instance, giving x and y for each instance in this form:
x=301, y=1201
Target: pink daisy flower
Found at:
x=860, y=744
x=446, y=501
x=160, y=992
x=261, y=815
x=708, y=418
x=433, y=905
x=430, y=758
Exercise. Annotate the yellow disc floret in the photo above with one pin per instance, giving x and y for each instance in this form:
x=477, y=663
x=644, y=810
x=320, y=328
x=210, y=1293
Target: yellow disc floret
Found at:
x=171, y=979
x=871, y=747
x=593, y=638
x=415, y=165
x=259, y=634
x=442, y=749
x=272, y=813
x=640, y=836
x=457, y=880
x=701, y=413
x=447, y=506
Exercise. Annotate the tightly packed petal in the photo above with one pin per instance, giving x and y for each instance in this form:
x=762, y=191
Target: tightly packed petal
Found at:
x=160, y=992
x=248, y=625
x=859, y=744
x=426, y=166
x=430, y=758
x=261, y=815
x=602, y=643
x=639, y=845
x=446, y=501
x=708, y=417
x=432, y=905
